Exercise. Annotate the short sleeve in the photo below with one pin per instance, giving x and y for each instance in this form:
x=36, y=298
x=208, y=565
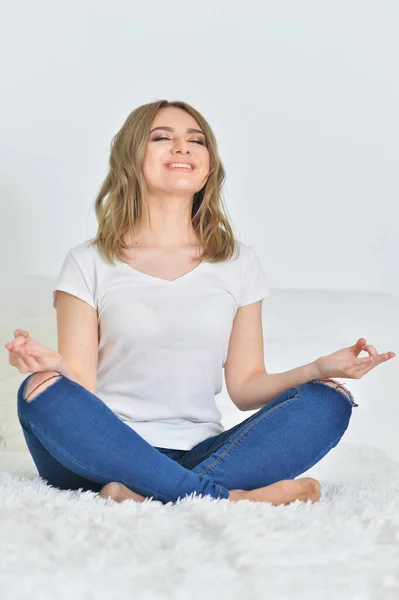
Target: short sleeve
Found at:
x=77, y=277
x=255, y=285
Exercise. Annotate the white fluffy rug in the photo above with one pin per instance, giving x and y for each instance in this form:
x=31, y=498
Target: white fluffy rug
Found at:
x=62, y=545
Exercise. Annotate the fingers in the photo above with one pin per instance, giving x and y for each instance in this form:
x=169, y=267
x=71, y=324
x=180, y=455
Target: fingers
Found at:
x=20, y=337
x=16, y=343
x=32, y=352
x=366, y=364
x=370, y=349
x=21, y=359
x=375, y=358
x=21, y=332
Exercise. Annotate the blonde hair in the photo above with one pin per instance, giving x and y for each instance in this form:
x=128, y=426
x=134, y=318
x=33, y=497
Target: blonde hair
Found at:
x=119, y=205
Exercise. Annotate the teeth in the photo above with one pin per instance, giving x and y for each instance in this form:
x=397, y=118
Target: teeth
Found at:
x=172, y=165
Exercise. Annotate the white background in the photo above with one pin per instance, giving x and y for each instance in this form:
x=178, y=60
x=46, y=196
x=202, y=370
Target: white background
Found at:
x=302, y=96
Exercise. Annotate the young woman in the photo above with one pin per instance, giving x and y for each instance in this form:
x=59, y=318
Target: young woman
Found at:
x=149, y=312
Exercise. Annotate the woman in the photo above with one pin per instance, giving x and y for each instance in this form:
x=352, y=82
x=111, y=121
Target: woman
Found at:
x=148, y=314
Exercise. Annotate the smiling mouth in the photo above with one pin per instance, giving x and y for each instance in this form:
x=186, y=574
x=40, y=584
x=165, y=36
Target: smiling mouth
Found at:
x=180, y=169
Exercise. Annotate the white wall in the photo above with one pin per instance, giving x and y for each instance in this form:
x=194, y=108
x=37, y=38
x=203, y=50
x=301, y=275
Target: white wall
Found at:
x=302, y=97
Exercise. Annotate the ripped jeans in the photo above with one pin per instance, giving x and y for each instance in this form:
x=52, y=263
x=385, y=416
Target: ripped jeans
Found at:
x=79, y=443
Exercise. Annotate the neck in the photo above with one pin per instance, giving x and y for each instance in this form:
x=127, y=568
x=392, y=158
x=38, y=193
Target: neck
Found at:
x=171, y=226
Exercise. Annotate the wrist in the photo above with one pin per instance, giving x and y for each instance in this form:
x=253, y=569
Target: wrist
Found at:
x=62, y=368
x=314, y=369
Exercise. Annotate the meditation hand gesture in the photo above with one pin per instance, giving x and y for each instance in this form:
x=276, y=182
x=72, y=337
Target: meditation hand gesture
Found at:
x=29, y=356
x=345, y=362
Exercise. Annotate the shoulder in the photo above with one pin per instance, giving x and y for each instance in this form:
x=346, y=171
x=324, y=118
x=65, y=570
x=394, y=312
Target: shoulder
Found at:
x=85, y=252
x=248, y=252
x=244, y=248
x=83, y=258
x=239, y=260
x=241, y=251
x=244, y=254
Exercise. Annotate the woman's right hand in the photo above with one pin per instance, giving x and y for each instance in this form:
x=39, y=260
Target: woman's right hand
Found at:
x=29, y=356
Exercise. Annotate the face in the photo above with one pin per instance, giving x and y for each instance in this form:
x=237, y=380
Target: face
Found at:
x=176, y=144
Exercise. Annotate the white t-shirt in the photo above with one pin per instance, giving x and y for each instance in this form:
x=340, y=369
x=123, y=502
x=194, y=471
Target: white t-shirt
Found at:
x=163, y=344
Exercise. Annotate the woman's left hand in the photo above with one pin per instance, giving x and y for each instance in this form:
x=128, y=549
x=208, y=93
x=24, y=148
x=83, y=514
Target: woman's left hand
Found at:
x=345, y=362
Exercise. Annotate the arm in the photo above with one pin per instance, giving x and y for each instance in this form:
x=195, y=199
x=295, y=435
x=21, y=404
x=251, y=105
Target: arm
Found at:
x=260, y=389
x=77, y=327
x=64, y=370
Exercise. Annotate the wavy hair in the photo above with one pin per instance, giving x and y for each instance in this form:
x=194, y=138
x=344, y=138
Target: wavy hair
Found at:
x=120, y=202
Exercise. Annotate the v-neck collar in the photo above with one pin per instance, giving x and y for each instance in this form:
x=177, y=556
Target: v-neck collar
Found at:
x=168, y=282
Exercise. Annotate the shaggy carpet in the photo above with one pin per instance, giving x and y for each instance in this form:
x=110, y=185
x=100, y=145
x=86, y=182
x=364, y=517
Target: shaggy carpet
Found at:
x=71, y=544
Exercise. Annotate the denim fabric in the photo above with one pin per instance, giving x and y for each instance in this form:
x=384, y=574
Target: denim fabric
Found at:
x=77, y=442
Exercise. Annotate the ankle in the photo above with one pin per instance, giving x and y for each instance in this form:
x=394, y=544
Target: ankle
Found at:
x=236, y=495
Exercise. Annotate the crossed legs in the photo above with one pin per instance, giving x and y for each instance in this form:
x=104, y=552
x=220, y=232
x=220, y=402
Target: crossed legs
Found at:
x=281, y=492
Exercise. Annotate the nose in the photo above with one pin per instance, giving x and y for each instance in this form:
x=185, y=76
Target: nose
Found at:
x=181, y=146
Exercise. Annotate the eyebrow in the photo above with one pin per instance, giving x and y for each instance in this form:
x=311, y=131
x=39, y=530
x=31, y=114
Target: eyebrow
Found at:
x=189, y=130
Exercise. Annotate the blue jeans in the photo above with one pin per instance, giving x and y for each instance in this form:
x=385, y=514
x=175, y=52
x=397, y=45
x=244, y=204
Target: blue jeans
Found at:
x=78, y=442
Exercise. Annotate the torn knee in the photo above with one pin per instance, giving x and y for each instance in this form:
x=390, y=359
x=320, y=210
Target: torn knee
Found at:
x=38, y=383
x=337, y=386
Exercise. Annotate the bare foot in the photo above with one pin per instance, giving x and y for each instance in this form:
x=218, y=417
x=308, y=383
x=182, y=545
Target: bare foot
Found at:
x=119, y=492
x=281, y=492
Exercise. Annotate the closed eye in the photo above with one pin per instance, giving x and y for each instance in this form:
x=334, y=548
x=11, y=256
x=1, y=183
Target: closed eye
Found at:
x=165, y=138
